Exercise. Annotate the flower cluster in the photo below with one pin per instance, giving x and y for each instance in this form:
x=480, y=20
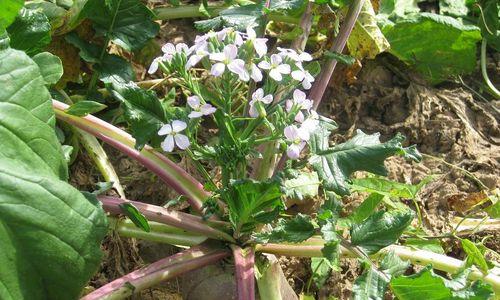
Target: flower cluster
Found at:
x=230, y=56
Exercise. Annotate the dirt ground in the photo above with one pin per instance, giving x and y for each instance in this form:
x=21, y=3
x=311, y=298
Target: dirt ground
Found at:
x=449, y=122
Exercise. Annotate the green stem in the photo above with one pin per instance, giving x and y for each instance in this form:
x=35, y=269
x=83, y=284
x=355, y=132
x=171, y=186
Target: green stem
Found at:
x=484, y=71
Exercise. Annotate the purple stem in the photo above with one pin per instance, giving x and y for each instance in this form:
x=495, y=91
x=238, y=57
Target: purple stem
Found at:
x=323, y=79
x=244, y=262
x=174, y=218
x=164, y=269
x=168, y=171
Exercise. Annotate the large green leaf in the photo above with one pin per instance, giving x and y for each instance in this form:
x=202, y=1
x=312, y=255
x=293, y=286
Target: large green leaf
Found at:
x=50, y=67
x=293, y=230
x=26, y=116
x=300, y=185
x=50, y=236
x=9, y=11
x=380, y=230
x=238, y=17
x=361, y=153
x=389, y=188
x=143, y=111
x=427, y=285
x=128, y=23
x=251, y=202
x=30, y=31
x=450, y=46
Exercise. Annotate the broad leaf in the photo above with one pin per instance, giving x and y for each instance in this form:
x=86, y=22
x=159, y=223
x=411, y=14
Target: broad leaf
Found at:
x=366, y=208
x=489, y=22
x=474, y=255
x=294, y=230
x=50, y=67
x=30, y=31
x=321, y=270
x=83, y=108
x=252, y=202
x=128, y=23
x=54, y=12
x=27, y=118
x=392, y=265
x=342, y=58
x=427, y=285
x=432, y=245
x=50, y=236
x=289, y=7
x=237, y=17
x=361, y=153
x=301, y=185
x=372, y=285
x=450, y=46
x=388, y=188
x=135, y=216
x=9, y=11
x=455, y=8
x=380, y=229
x=143, y=111
x=366, y=39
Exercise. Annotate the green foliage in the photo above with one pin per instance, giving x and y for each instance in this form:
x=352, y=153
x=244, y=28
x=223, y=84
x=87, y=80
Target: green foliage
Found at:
x=342, y=58
x=143, y=111
x=474, y=255
x=362, y=153
x=321, y=270
x=50, y=67
x=450, y=46
x=489, y=23
x=455, y=8
x=289, y=7
x=388, y=188
x=300, y=185
x=83, y=108
x=135, y=216
x=294, y=230
x=50, y=234
x=366, y=208
x=251, y=202
x=432, y=245
x=9, y=11
x=30, y=31
x=238, y=17
x=427, y=285
x=380, y=230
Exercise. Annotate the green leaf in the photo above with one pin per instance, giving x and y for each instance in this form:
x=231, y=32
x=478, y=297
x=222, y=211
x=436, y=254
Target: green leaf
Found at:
x=111, y=68
x=143, y=111
x=26, y=117
x=474, y=255
x=319, y=138
x=331, y=249
x=321, y=270
x=394, y=9
x=432, y=245
x=392, y=265
x=252, y=202
x=289, y=7
x=455, y=8
x=493, y=210
x=54, y=13
x=450, y=46
x=83, y=108
x=135, y=216
x=366, y=39
x=380, y=230
x=389, y=188
x=50, y=67
x=30, y=31
x=50, y=235
x=9, y=11
x=366, y=208
x=342, y=58
x=488, y=22
x=302, y=186
x=238, y=17
x=361, y=153
x=294, y=230
x=427, y=285
x=372, y=285
x=128, y=23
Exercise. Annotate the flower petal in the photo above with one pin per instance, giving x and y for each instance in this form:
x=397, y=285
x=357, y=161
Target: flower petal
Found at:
x=283, y=69
x=298, y=75
x=237, y=66
x=194, y=102
x=195, y=114
x=154, y=66
x=168, y=144
x=168, y=48
x=291, y=133
x=178, y=125
x=293, y=151
x=275, y=74
x=207, y=109
x=182, y=141
x=267, y=99
x=264, y=65
x=260, y=46
x=299, y=96
x=258, y=94
x=276, y=59
x=217, y=56
x=165, y=129
x=231, y=51
x=218, y=69
x=256, y=74
x=253, y=111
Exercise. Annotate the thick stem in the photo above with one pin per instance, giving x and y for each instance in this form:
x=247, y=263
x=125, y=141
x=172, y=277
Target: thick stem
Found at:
x=321, y=83
x=484, y=71
x=305, y=25
x=244, y=263
x=441, y=262
x=174, y=218
x=159, y=233
x=167, y=268
x=167, y=170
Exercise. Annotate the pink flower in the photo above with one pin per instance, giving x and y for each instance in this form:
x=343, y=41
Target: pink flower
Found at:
x=173, y=136
x=258, y=96
x=276, y=67
x=199, y=109
x=296, y=139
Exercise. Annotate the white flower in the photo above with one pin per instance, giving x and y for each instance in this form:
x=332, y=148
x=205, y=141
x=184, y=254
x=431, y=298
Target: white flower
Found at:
x=259, y=44
x=293, y=55
x=304, y=76
x=256, y=73
x=173, y=136
x=230, y=32
x=198, y=52
x=299, y=100
x=170, y=50
x=199, y=109
x=310, y=124
x=258, y=96
x=154, y=65
x=296, y=139
x=276, y=67
x=228, y=58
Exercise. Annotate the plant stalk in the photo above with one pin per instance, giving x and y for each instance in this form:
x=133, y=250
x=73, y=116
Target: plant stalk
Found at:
x=244, y=262
x=174, y=218
x=321, y=83
x=484, y=71
x=441, y=262
x=168, y=171
x=164, y=269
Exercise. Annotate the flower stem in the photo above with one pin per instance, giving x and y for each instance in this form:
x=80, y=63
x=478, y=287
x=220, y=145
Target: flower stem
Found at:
x=244, y=262
x=174, y=218
x=484, y=71
x=168, y=171
x=323, y=79
x=441, y=262
x=164, y=269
